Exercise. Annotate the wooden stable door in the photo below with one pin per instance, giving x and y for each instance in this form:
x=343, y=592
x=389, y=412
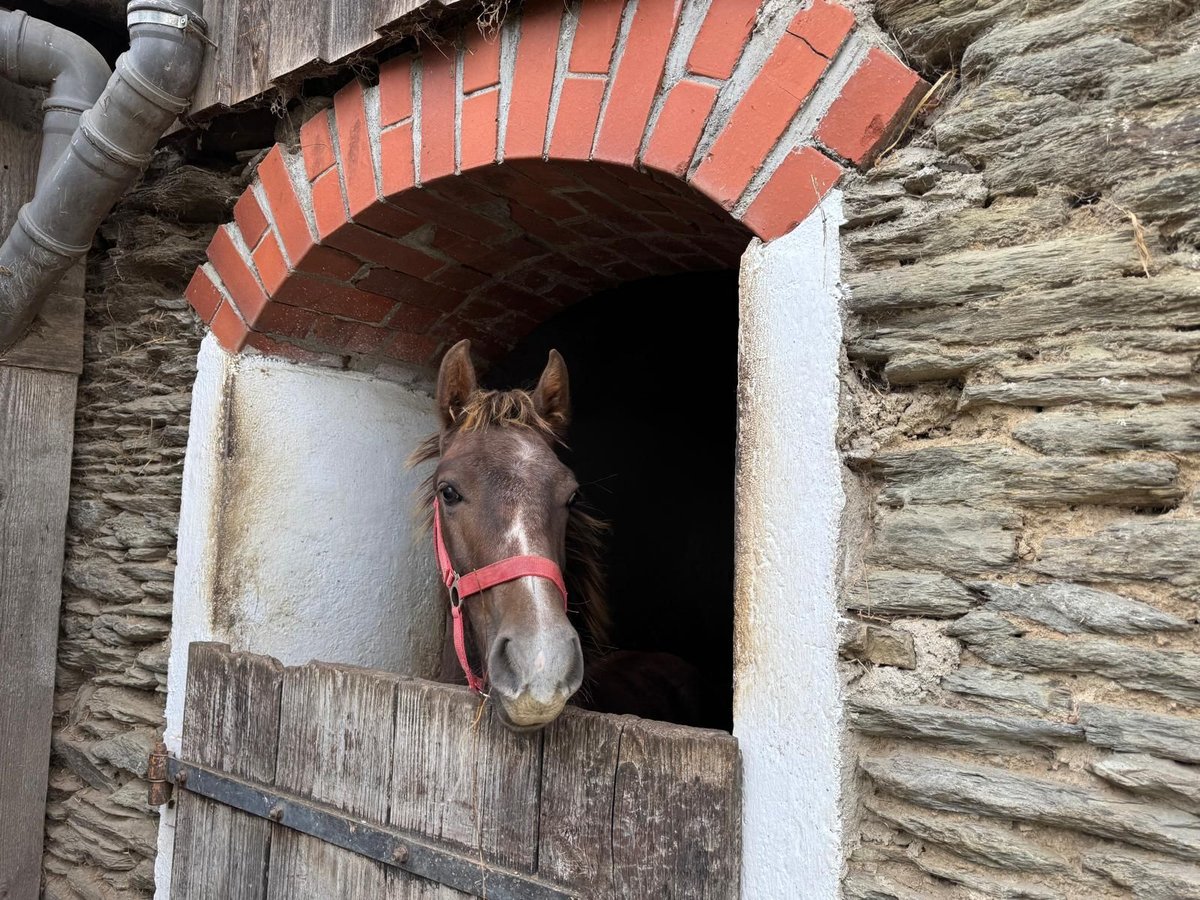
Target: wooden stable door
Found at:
x=326, y=781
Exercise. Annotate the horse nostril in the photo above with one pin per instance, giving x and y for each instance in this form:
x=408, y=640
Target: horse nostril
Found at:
x=501, y=666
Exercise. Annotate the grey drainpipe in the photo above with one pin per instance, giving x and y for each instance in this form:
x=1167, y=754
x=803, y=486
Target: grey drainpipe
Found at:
x=37, y=54
x=78, y=186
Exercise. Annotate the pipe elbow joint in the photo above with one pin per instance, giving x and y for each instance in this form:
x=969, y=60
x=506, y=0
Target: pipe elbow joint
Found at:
x=166, y=50
x=36, y=53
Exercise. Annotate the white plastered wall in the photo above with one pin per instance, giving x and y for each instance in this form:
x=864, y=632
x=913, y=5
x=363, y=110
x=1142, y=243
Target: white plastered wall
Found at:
x=787, y=704
x=297, y=536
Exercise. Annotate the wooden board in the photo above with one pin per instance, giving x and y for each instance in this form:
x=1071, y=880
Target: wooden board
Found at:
x=578, y=769
x=231, y=723
x=335, y=740
x=676, y=813
x=37, y=412
x=260, y=44
x=463, y=778
x=603, y=806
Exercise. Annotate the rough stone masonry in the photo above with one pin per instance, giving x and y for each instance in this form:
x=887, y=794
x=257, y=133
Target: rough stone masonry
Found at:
x=1021, y=421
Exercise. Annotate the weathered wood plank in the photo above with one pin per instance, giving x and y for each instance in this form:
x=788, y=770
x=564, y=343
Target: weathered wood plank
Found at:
x=335, y=747
x=297, y=40
x=677, y=810
x=261, y=43
x=251, y=42
x=579, y=762
x=231, y=723
x=36, y=429
x=215, y=86
x=461, y=776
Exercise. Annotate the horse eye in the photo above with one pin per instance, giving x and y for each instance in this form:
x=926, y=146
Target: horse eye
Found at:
x=449, y=494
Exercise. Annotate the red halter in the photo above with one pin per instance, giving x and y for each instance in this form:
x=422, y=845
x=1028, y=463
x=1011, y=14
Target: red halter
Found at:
x=463, y=586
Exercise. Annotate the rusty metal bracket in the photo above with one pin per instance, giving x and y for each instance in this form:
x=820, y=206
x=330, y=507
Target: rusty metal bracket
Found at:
x=387, y=845
x=156, y=773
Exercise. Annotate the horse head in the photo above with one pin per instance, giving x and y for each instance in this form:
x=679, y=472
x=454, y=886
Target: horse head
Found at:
x=501, y=501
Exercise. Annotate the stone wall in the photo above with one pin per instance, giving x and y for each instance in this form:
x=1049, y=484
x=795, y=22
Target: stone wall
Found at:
x=130, y=432
x=1020, y=410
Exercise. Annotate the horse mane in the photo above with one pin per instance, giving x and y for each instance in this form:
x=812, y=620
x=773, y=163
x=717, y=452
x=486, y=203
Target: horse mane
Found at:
x=585, y=532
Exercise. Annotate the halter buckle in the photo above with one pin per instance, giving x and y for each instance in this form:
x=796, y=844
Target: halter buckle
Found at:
x=456, y=601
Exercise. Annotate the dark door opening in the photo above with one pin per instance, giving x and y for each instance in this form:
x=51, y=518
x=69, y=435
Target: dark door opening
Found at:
x=653, y=368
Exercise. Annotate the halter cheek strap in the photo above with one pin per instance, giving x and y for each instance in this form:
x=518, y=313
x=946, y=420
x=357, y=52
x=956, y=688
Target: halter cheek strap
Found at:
x=476, y=582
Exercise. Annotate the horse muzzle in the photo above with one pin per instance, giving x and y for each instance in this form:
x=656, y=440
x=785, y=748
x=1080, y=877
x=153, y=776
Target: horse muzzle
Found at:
x=533, y=676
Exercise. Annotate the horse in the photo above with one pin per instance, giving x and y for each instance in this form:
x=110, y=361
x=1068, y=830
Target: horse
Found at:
x=520, y=558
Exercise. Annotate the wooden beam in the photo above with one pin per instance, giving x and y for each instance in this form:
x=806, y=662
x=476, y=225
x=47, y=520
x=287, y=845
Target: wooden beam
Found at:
x=37, y=412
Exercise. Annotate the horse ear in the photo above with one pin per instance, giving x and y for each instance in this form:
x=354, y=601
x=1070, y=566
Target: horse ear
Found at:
x=552, y=396
x=456, y=382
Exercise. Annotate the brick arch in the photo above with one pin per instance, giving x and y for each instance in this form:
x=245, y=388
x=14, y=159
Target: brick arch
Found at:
x=477, y=189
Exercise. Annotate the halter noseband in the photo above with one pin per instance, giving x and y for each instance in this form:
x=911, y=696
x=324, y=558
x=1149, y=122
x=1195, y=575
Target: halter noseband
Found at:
x=467, y=585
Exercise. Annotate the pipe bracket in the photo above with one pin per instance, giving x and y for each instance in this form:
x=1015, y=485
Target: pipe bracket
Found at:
x=43, y=240
x=110, y=150
x=157, y=17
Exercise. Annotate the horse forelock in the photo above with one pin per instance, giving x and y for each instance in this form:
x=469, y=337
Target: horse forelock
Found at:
x=585, y=532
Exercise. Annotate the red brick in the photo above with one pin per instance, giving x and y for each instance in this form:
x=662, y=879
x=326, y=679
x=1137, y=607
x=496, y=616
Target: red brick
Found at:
x=792, y=192
x=722, y=37
x=333, y=332
x=285, y=321
x=412, y=318
x=251, y=220
x=427, y=205
x=289, y=217
x=595, y=229
x=272, y=267
x=533, y=78
x=388, y=219
x=544, y=228
x=229, y=328
x=596, y=35
x=458, y=278
x=287, y=350
x=370, y=340
x=335, y=299
x=549, y=174
x=237, y=276
x=419, y=349
x=307, y=291
x=408, y=289
x=507, y=254
x=872, y=105
x=395, y=91
x=480, y=118
x=396, y=160
x=636, y=81
x=316, y=144
x=329, y=206
x=823, y=26
x=575, y=122
x=679, y=125
x=327, y=261
x=458, y=247
x=508, y=182
x=438, y=97
x=354, y=148
x=764, y=112
x=481, y=61
x=203, y=295
x=382, y=250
